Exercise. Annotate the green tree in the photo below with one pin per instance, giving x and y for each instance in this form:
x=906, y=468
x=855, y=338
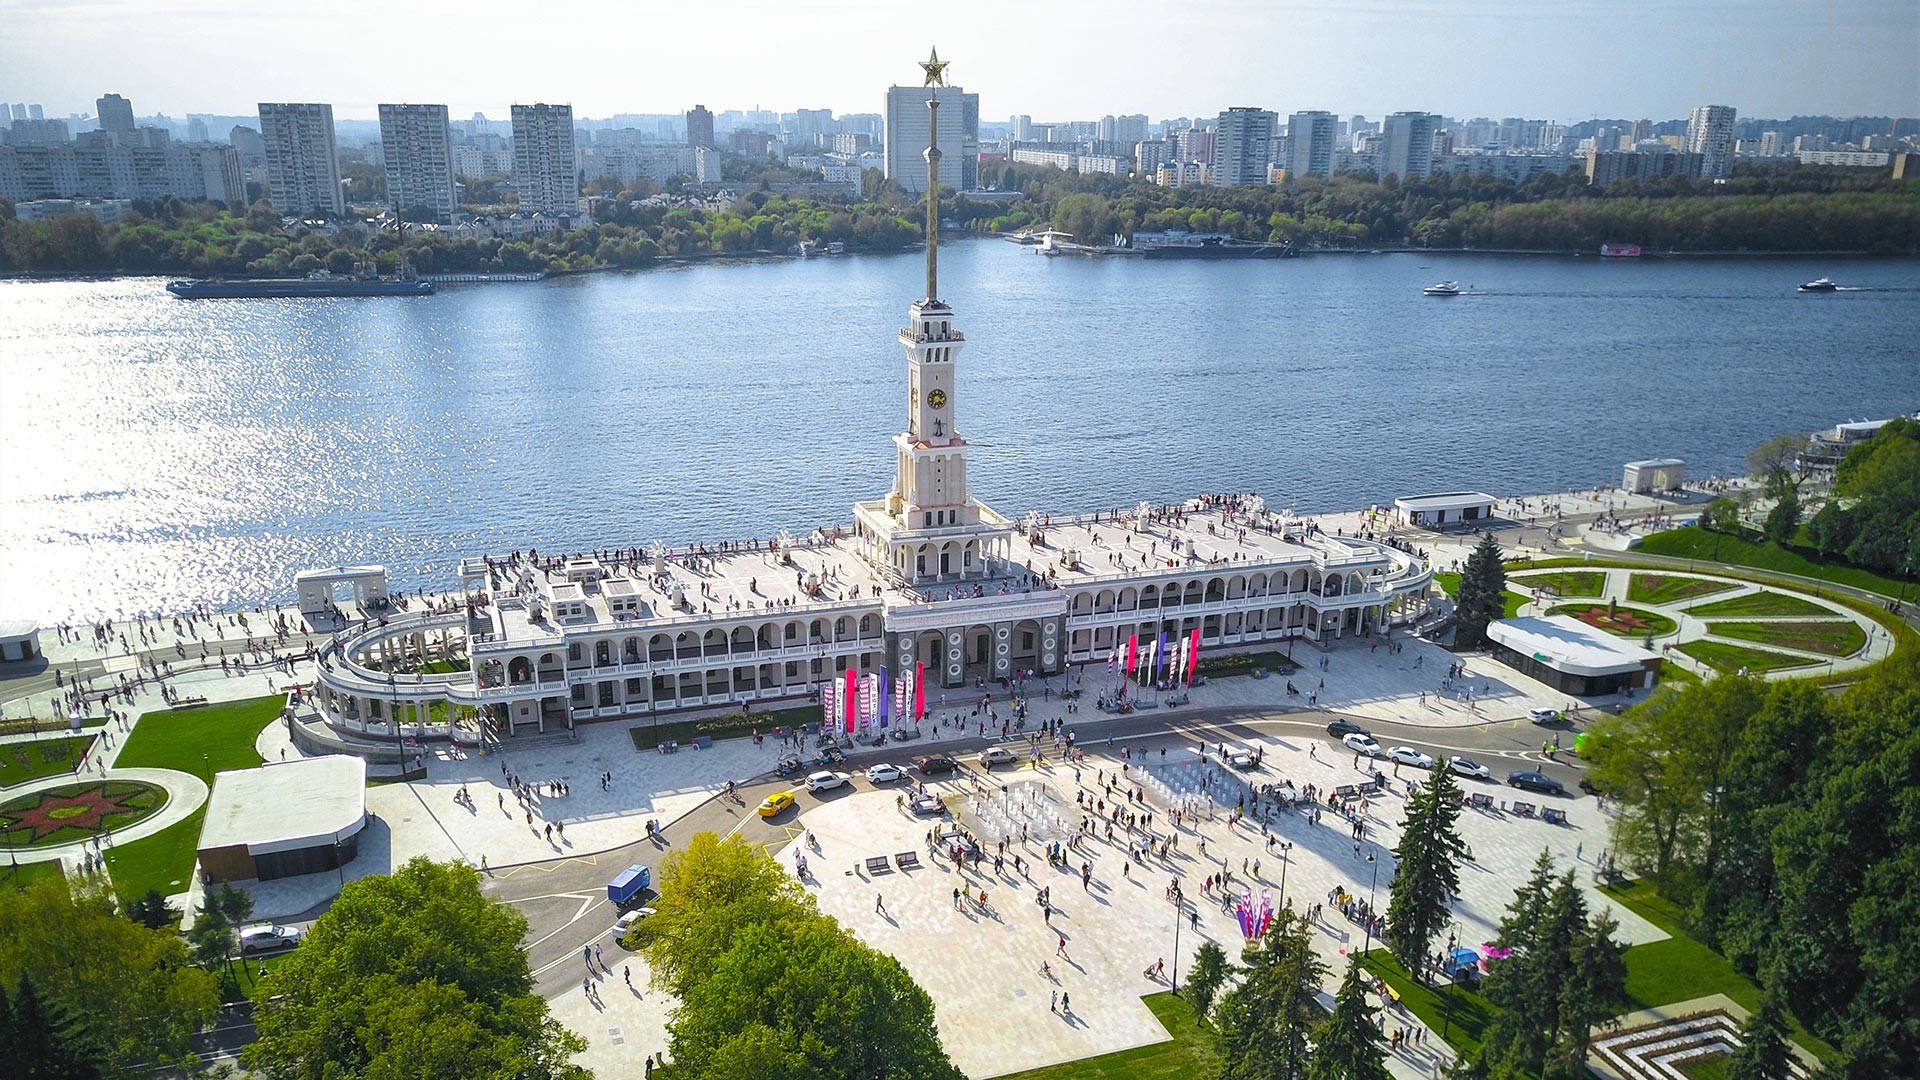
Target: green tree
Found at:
x=1206, y=977
x=152, y=911
x=1426, y=878
x=1722, y=515
x=1482, y=598
x=42, y=1040
x=134, y=988
x=1265, y=1019
x=1775, y=457
x=768, y=985
x=409, y=974
x=1783, y=520
x=1763, y=1053
x=1348, y=1046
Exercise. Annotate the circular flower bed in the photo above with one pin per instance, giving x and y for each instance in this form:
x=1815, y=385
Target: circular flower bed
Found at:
x=74, y=812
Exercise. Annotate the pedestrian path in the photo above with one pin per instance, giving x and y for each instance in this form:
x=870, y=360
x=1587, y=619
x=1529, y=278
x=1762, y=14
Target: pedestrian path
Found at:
x=185, y=794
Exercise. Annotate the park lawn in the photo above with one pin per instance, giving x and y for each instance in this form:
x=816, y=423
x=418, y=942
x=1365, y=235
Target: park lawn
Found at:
x=1835, y=637
x=1189, y=1054
x=1511, y=601
x=1622, y=621
x=1697, y=543
x=1721, y=656
x=1680, y=968
x=24, y=874
x=1671, y=672
x=1568, y=582
x=45, y=757
x=1471, y=1014
x=162, y=861
x=1671, y=589
x=201, y=741
x=1760, y=604
x=1711, y=1067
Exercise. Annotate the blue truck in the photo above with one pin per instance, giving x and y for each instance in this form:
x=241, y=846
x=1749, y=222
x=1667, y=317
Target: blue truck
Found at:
x=627, y=886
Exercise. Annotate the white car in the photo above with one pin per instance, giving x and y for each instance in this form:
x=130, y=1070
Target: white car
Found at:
x=827, y=781
x=1469, y=767
x=267, y=937
x=625, y=922
x=1543, y=716
x=997, y=755
x=1363, y=744
x=1407, y=755
x=883, y=773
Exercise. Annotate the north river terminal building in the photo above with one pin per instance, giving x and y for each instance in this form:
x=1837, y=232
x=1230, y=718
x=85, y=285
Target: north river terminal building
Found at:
x=928, y=583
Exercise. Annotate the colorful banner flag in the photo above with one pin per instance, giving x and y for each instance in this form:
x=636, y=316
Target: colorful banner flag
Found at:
x=919, y=691
x=1133, y=651
x=1166, y=656
x=830, y=702
x=1193, y=656
x=886, y=696
x=850, y=697
x=869, y=698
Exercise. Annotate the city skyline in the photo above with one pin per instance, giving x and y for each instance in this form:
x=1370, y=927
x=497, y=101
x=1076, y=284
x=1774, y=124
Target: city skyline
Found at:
x=1775, y=59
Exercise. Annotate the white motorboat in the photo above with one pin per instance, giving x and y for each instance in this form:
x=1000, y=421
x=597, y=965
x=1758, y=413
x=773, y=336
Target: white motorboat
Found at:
x=1442, y=288
x=1821, y=285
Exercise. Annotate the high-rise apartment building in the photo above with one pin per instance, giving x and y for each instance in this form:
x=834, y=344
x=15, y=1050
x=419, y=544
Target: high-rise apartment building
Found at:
x=1245, y=146
x=116, y=115
x=699, y=126
x=1710, y=134
x=544, y=171
x=303, y=160
x=1195, y=144
x=419, y=155
x=906, y=136
x=1311, y=137
x=1407, y=148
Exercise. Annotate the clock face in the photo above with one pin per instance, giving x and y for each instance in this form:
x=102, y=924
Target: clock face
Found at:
x=937, y=399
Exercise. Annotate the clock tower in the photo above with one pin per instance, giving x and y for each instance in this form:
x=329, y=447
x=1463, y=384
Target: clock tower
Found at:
x=929, y=527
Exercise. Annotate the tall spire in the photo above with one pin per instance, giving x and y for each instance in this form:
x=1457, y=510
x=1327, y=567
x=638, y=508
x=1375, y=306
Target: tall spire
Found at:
x=936, y=70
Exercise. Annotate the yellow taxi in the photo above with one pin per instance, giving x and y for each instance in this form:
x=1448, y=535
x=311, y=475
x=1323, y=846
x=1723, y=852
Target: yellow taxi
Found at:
x=775, y=803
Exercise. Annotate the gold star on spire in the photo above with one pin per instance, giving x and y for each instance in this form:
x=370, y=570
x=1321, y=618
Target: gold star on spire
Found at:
x=935, y=68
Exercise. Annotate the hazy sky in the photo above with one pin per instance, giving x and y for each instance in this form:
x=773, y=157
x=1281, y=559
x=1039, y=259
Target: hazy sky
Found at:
x=1052, y=59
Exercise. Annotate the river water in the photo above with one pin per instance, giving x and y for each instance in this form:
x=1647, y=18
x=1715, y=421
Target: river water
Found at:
x=158, y=453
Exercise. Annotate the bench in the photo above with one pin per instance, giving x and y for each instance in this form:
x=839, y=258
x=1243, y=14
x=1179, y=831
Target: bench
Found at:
x=1524, y=809
x=669, y=746
x=1481, y=802
x=1554, y=817
x=190, y=703
x=908, y=860
x=877, y=864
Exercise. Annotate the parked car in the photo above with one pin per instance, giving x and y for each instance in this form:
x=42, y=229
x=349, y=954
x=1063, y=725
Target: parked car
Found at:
x=883, y=773
x=776, y=803
x=1338, y=728
x=1407, y=755
x=1536, y=781
x=267, y=937
x=1543, y=716
x=935, y=764
x=624, y=924
x=1469, y=767
x=997, y=755
x=1361, y=743
x=827, y=781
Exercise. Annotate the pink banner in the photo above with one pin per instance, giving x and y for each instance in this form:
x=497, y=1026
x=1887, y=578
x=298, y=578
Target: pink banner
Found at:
x=1193, y=655
x=919, y=691
x=1133, y=651
x=850, y=697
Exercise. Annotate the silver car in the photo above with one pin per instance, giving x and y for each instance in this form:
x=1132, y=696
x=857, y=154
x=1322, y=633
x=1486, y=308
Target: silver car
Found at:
x=267, y=937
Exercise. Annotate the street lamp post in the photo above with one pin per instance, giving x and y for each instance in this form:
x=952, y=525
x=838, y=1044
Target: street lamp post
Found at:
x=1285, y=846
x=1179, y=910
x=1368, y=947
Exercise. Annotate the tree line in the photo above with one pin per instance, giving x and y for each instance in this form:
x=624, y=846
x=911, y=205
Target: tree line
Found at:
x=170, y=236
x=1782, y=819
x=1767, y=208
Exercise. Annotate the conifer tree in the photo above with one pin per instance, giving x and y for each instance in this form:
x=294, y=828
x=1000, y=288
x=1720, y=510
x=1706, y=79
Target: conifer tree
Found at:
x=1348, y=1046
x=43, y=1040
x=1763, y=1053
x=1482, y=597
x=1427, y=877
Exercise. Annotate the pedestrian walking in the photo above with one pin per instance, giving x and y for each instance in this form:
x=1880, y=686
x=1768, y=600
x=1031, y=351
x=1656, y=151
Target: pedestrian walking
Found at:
x=1053, y=1002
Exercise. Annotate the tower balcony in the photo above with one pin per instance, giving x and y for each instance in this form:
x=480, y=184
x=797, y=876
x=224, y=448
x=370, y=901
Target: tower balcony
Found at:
x=910, y=336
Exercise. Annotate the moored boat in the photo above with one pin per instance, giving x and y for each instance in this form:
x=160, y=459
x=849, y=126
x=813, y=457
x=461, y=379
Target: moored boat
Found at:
x=317, y=284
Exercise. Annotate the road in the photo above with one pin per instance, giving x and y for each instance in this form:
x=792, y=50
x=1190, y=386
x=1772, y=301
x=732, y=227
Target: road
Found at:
x=565, y=899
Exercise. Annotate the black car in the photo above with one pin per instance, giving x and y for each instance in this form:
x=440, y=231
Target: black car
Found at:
x=935, y=764
x=1340, y=728
x=1536, y=781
